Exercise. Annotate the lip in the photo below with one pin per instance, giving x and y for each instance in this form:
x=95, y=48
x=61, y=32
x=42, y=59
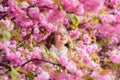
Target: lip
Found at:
x=63, y=39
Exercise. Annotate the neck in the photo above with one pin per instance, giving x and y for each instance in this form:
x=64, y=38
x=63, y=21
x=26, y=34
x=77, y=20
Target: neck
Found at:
x=59, y=46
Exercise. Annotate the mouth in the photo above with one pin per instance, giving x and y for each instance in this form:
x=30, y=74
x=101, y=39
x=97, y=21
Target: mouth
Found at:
x=62, y=39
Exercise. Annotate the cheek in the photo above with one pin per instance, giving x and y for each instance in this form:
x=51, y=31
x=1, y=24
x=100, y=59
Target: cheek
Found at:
x=56, y=38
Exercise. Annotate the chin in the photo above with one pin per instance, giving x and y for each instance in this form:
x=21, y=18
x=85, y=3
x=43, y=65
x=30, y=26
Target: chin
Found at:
x=62, y=42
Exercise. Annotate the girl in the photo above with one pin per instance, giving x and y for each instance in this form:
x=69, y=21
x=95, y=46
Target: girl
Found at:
x=58, y=42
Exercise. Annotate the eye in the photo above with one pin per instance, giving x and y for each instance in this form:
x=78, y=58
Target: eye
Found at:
x=57, y=33
x=65, y=33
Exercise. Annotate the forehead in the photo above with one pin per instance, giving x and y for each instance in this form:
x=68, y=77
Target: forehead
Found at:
x=61, y=30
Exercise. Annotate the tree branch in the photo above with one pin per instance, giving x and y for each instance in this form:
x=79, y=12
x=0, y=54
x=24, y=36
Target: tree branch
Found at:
x=41, y=60
x=6, y=66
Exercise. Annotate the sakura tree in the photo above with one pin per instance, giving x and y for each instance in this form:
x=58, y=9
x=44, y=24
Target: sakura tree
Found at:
x=94, y=27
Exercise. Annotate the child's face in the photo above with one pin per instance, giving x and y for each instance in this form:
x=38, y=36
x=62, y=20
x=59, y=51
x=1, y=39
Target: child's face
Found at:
x=61, y=36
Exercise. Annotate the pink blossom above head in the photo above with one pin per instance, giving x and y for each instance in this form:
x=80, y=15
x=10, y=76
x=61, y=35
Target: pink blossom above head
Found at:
x=56, y=16
x=49, y=27
x=44, y=29
x=74, y=33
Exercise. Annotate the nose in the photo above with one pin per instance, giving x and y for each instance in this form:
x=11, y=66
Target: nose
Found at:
x=62, y=34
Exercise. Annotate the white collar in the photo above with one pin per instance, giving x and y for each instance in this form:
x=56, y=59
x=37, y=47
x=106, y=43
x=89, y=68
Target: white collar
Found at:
x=54, y=50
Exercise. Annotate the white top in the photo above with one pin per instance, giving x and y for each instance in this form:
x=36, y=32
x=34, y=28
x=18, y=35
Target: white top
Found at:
x=56, y=53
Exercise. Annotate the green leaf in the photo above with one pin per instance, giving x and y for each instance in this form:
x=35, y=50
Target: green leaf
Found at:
x=95, y=20
x=102, y=11
x=69, y=15
x=6, y=35
x=14, y=73
x=59, y=4
x=1, y=36
x=16, y=35
x=30, y=75
x=75, y=21
x=22, y=70
x=103, y=42
x=2, y=26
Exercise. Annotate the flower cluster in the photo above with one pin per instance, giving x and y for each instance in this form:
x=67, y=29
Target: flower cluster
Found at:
x=93, y=26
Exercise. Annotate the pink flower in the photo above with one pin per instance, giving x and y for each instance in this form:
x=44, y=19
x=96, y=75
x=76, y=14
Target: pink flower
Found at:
x=3, y=9
x=4, y=44
x=79, y=74
x=36, y=53
x=117, y=17
x=92, y=5
x=4, y=77
x=108, y=19
x=115, y=58
x=80, y=42
x=62, y=76
x=73, y=6
x=104, y=77
x=25, y=4
x=71, y=67
x=82, y=52
x=74, y=34
x=49, y=3
x=33, y=1
x=36, y=30
x=43, y=76
x=89, y=48
x=86, y=39
x=48, y=29
x=56, y=16
x=34, y=12
x=7, y=24
x=63, y=60
x=86, y=59
x=118, y=29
